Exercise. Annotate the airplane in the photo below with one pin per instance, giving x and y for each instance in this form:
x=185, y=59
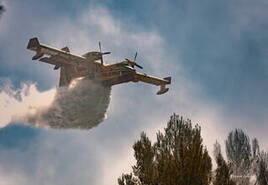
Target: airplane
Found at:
x=91, y=65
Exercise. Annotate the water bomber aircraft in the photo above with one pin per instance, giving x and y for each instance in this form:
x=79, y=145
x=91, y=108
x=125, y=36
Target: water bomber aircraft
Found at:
x=91, y=65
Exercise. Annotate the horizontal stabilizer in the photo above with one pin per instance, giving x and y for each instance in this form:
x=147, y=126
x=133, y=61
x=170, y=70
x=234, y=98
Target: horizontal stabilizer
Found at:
x=162, y=90
x=48, y=60
x=38, y=55
x=55, y=60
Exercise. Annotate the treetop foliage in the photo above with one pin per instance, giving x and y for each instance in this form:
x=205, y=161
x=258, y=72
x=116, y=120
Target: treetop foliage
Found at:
x=262, y=169
x=255, y=148
x=223, y=172
x=238, y=150
x=178, y=157
x=246, y=160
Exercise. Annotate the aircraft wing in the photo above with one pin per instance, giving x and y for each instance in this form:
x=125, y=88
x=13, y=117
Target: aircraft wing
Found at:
x=162, y=82
x=58, y=61
x=57, y=57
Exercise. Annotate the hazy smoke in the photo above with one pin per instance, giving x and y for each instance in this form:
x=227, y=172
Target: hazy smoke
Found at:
x=83, y=105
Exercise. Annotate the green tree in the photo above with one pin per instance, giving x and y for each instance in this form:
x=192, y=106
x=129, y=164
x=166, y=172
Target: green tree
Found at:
x=255, y=148
x=238, y=150
x=262, y=169
x=223, y=172
x=127, y=179
x=255, y=156
x=178, y=157
x=144, y=153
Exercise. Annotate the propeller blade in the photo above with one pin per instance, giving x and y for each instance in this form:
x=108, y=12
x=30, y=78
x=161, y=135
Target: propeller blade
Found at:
x=100, y=53
x=138, y=66
x=100, y=46
x=106, y=53
x=135, y=56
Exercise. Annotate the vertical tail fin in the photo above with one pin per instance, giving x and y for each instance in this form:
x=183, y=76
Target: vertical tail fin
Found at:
x=33, y=44
x=168, y=79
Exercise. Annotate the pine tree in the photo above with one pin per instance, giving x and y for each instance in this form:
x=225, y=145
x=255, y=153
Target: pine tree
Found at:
x=255, y=156
x=262, y=169
x=178, y=157
x=255, y=148
x=238, y=150
x=223, y=171
x=144, y=154
x=127, y=179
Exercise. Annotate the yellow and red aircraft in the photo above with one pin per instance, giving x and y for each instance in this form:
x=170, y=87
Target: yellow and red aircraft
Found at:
x=91, y=65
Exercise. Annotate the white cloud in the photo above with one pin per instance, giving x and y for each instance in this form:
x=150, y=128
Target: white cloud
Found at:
x=14, y=104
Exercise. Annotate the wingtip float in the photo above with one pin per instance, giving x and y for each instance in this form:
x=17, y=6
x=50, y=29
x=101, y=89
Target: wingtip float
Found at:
x=74, y=66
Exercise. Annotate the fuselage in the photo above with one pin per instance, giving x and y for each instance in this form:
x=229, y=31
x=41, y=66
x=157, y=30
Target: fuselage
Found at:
x=105, y=74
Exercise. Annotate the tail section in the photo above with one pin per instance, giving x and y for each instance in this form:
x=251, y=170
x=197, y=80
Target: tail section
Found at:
x=168, y=79
x=163, y=88
x=34, y=45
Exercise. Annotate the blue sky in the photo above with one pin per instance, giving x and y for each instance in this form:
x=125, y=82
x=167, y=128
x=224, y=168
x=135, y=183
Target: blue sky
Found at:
x=215, y=51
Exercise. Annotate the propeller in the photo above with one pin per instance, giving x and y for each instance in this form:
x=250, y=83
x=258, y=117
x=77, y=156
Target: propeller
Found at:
x=102, y=53
x=133, y=63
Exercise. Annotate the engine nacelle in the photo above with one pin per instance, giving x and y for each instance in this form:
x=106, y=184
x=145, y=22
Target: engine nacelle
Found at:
x=93, y=55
